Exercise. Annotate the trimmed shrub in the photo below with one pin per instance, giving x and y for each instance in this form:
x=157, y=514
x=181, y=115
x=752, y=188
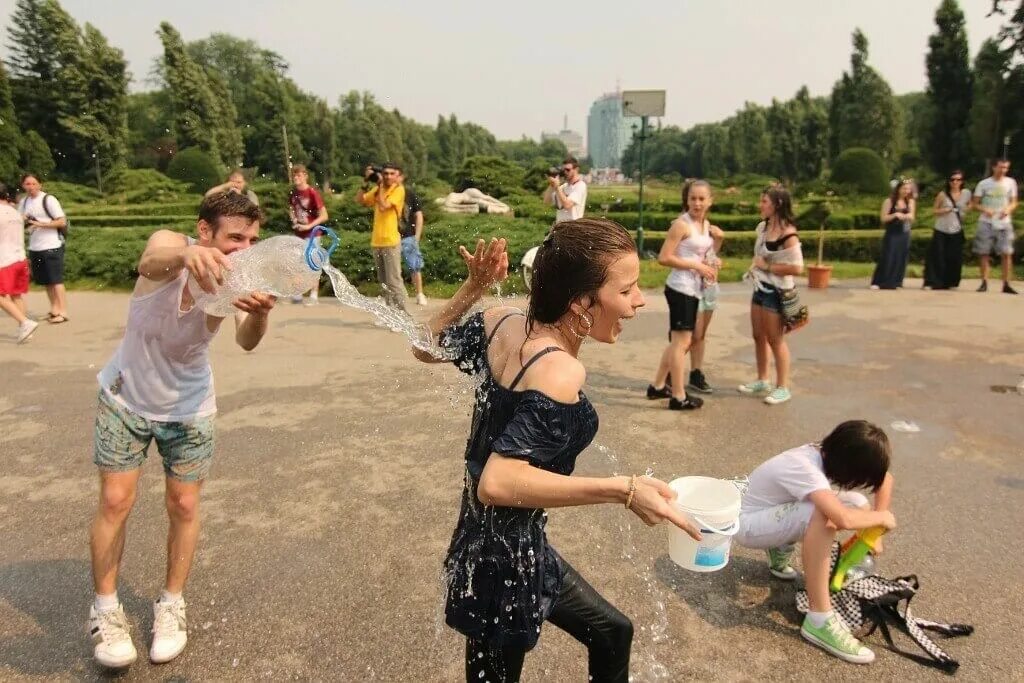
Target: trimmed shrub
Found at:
x=861, y=169
x=71, y=193
x=141, y=185
x=198, y=169
x=491, y=175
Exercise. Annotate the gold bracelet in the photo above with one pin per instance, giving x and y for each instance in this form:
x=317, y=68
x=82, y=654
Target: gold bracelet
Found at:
x=632, y=491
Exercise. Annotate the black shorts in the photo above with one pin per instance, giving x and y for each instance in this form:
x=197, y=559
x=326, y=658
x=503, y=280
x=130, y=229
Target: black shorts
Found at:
x=47, y=266
x=682, y=311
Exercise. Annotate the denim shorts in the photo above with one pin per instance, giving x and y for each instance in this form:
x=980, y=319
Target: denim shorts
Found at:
x=990, y=240
x=770, y=299
x=122, y=441
x=412, y=254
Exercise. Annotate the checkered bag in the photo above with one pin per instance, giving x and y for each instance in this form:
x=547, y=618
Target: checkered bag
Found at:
x=875, y=602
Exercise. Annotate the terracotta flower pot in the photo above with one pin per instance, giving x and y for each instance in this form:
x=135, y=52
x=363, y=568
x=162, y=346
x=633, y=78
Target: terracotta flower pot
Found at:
x=818, y=277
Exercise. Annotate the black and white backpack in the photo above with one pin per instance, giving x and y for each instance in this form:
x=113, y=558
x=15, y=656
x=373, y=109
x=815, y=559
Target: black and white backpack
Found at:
x=874, y=602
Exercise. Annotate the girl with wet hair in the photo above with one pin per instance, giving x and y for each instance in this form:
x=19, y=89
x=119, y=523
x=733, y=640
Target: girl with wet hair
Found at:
x=777, y=258
x=531, y=420
x=687, y=246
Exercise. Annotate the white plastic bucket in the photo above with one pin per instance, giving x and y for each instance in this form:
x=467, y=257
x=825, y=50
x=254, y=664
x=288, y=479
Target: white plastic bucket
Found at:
x=713, y=505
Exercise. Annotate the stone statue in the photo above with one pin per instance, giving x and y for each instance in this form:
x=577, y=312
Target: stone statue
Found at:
x=473, y=200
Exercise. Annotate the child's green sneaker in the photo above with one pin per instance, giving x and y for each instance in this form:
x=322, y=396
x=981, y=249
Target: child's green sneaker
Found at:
x=779, y=395
x=759, y=386
x=836, y=639
x=778, y=563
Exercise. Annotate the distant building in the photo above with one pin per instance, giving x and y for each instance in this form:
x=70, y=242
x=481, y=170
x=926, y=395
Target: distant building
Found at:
x=609, y=132
x=572, y=140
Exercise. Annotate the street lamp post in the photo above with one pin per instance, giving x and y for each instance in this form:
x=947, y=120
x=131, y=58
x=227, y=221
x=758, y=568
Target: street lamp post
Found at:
x=643, y=104
x=640, y=221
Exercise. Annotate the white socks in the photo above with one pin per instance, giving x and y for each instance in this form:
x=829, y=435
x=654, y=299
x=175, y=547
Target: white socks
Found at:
x=166, y=597
x=818, y=619
x=105, y=603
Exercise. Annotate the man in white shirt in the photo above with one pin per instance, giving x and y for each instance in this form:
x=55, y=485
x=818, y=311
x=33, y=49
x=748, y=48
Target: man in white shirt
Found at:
x=570, y=197
x=45, y=221
x=996, y=198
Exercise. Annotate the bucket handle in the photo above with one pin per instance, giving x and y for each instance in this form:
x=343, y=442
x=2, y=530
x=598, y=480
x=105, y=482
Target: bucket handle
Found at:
x=316, y=256
x=730, y=530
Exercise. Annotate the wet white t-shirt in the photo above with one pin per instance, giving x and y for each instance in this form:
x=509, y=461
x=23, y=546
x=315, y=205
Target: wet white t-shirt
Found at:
x=12, y=235
x=788, y=477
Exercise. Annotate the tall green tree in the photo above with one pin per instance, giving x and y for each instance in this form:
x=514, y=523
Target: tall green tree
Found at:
x=10, y=132
x=947, y=142
x=32, y=62
x=862, y=111
x=229, y=138
x=195, y=112
x=986, y=122
x=750, y=144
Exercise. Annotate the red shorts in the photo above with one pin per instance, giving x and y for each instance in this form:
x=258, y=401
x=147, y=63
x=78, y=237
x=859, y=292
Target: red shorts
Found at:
x=14, y=279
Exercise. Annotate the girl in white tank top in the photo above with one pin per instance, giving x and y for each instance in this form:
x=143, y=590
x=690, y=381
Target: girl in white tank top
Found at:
x=685, y=250
x=695, y=246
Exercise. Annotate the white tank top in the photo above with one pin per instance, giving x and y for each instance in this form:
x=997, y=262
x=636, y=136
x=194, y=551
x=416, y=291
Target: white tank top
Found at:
x=161, y=370
x=695, y=247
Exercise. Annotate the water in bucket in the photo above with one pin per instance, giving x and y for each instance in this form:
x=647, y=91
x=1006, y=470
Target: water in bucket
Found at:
x=713, y=505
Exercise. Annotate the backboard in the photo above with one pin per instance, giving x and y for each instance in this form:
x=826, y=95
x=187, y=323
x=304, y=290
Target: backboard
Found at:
x=643, y=102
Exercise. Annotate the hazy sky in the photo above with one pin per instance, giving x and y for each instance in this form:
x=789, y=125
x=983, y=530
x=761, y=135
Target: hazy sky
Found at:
x=517, y=67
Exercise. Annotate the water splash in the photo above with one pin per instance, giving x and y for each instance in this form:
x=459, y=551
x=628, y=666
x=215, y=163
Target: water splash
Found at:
x=392, y=318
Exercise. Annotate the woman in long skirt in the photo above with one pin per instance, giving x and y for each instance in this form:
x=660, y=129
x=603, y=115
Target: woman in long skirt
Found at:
x=945, y=257
x=897, y=216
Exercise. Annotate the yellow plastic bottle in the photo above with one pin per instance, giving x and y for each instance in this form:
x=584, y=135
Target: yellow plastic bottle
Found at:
x=854, y=553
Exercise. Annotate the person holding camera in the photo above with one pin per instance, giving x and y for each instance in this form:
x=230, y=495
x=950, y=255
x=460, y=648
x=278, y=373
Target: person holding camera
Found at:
x=410, y=227
x=307, y=210
x=569, y=197
x=383, y=190
x=46, y=225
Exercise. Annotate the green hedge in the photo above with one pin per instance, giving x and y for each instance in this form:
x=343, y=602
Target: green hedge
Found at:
x=108, y=256
x=78, y=211
x=122, y=221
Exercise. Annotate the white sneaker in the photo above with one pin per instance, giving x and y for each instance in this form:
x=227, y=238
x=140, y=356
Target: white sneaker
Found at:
x=421, y=300
x=26, y=329
x=311, y=301
x=111, y=637
x=169, y=631
x=297, y=299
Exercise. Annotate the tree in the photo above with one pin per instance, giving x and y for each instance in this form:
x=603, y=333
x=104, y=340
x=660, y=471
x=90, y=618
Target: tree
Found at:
x=195, y=112
x=32, y=62
x=749, y=143
x=10, y=132
x=862, y=111
x=35, y=154
x=986, y=121
x=947, y=143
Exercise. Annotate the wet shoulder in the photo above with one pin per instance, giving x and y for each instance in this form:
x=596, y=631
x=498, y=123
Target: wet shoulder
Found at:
x=558, y=376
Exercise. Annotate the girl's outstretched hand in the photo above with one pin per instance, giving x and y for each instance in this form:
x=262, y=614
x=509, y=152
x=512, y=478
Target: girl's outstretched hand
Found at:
x=652, y=503
x=488, y=264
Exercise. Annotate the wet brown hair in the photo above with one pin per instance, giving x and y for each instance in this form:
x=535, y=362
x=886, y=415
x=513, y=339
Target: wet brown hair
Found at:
x=856, y=455
x=223, y=204
x=573, y=262
x=782, y=202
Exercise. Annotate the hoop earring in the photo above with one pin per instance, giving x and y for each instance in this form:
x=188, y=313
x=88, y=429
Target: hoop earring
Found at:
x=581, y=318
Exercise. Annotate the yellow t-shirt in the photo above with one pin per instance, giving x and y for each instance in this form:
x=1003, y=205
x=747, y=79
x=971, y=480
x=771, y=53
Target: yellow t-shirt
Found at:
x=385, y=223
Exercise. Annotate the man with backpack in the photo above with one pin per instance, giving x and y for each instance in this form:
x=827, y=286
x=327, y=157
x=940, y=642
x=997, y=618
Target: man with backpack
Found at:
x=410, y=227
x=47, y=225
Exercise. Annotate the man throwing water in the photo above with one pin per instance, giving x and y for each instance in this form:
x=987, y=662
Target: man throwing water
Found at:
x=159, y=387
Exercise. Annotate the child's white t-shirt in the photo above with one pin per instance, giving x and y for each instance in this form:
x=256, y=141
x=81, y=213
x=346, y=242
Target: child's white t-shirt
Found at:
x=786, y=478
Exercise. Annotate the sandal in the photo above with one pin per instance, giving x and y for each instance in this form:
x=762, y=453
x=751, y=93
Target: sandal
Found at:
x=56, y=319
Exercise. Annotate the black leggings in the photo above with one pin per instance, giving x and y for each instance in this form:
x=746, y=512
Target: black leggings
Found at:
x=582, y=613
